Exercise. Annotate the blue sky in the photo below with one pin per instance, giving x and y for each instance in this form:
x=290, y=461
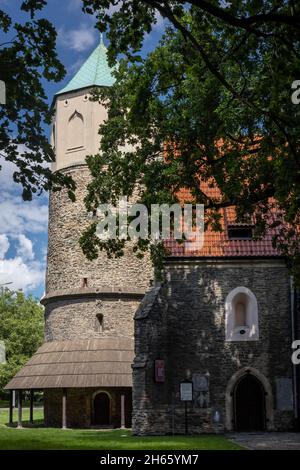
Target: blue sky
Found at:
x=23, y=225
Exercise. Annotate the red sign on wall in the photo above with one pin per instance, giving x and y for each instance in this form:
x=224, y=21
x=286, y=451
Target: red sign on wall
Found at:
x=159, y=370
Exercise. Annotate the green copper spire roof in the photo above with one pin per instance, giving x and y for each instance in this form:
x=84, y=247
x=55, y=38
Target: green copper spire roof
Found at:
x=94, y=72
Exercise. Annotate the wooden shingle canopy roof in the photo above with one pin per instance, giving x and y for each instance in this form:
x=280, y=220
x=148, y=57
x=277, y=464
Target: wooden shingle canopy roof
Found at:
x=104, y=362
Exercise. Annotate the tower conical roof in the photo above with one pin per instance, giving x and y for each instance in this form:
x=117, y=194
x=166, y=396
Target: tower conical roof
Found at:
x=94, y=72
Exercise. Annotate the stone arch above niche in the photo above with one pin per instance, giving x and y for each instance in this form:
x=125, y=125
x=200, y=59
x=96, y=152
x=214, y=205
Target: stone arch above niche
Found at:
x=75, y=132
x=241, y=315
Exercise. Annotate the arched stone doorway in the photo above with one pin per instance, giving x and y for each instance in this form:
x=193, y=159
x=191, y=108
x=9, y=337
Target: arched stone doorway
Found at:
x=230, y=397
x=101, y=409
x=249, y=404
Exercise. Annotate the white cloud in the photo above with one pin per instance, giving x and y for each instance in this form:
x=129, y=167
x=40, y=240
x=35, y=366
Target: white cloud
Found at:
x=4, y=245
x=76, y=66
x=25, y=248
x=19, y=221
x=78, y=40
x=8, y=168
x=157, y=27
x=23, y=276
x=160, y=22
x=6, y=175
x=74, y=4
x=18, y=216
x=113, y=8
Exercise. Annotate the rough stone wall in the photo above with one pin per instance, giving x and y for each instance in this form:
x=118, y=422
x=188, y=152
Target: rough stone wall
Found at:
x=80, y=407
x=190, y=334
x=77, y=318
x=67, y=265
x=150, y=400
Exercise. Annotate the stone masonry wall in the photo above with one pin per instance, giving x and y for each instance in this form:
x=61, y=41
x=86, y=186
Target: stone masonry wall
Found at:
x=186, y=327
x=77, y=318
x=67, y=265
x=150, y=400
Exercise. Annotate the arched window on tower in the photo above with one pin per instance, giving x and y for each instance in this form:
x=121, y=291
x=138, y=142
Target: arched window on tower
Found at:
x=75, y=132
x=99, y=322
x=241, y=321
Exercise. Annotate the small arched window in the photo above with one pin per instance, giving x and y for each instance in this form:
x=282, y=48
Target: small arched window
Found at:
x=99, y=322
x=241, y=321
x=75, y=137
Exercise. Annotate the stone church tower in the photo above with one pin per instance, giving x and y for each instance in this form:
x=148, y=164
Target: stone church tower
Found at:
x=84, y=366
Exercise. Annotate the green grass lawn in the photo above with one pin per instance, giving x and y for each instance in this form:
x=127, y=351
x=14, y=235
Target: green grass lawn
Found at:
x=36, y=437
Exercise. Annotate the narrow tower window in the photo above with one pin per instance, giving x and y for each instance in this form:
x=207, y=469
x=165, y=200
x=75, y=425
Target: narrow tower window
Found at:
x=84, y=282
x=99, y=322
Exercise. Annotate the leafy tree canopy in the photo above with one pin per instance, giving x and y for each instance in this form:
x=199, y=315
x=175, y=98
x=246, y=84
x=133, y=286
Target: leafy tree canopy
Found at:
x=21, y=329
x=217, y=90
x=28, y=56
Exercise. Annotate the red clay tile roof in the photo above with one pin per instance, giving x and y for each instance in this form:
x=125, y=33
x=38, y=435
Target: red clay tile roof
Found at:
x=218, y=244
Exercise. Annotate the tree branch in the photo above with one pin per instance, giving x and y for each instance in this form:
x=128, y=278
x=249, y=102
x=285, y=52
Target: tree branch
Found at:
x=168, y=13
x=246, y=22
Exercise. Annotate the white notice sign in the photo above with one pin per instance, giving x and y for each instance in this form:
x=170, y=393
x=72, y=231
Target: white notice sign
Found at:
x=186, y=391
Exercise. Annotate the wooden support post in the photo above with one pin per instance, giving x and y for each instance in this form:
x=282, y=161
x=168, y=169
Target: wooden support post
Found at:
x=122, y=411
x=20, y=399
x=31, y=407
x=11, y=409
x=64, y=409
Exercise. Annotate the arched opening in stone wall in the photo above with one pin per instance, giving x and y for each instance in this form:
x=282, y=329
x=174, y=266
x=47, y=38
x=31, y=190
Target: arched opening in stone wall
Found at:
x=102, y=409
x=265, y=389
x=249, y=404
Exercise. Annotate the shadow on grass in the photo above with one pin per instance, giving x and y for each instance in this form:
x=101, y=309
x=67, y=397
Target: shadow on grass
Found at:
x=39, y=423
